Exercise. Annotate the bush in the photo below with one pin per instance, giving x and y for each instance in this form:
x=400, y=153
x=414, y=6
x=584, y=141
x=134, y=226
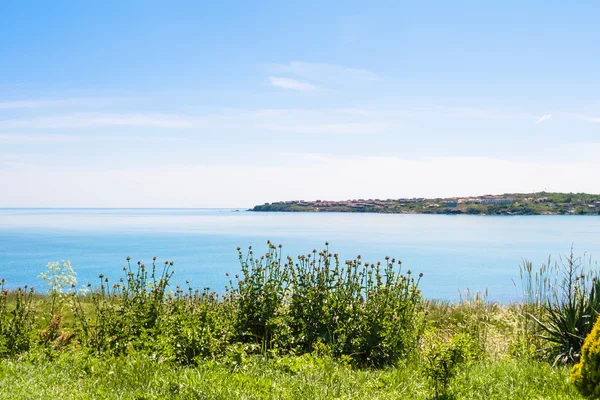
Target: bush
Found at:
x=125, y=313
x=586, y=374
x=260, y=296
x=443, y=359
x=196, y=326
x=370, y=313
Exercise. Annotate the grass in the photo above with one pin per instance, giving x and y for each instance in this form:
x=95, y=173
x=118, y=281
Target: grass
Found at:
x=75, y=376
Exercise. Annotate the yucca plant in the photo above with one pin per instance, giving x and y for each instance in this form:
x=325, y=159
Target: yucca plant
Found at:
x=568, y=305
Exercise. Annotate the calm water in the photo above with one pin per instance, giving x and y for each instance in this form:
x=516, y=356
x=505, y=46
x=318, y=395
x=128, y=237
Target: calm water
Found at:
x=454, y=252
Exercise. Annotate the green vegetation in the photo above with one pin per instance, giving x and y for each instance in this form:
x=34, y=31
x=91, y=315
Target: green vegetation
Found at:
x=310, y=327
x=586, y=374
x=77, y=376
x=567, y=295
x=541, y=203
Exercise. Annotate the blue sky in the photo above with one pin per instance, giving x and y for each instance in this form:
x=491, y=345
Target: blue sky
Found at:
x=210, y=104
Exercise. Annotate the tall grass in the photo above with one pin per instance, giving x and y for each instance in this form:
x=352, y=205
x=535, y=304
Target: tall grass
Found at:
x=562, y=301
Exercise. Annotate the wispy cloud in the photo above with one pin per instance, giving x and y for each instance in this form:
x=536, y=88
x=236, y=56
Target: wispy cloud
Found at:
x=54, y=103
x=341, y=128
x=295, y=120
x=585, y=118
x=543, y=118
x=289, y=83
x=8, y=105
x=325, y=74
x=91, y=120
x=17, y=138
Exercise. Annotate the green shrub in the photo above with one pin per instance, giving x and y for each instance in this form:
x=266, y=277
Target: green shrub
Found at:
x=368, y=312
x=586, y=374
x=196, y=326
x=444, y=357
x=126, y=313
x=260, y=296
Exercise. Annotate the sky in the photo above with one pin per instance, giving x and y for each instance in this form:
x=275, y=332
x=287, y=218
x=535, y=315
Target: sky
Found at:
x=234, y=103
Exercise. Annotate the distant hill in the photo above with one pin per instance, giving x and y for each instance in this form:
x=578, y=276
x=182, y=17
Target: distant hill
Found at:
x=541, y=203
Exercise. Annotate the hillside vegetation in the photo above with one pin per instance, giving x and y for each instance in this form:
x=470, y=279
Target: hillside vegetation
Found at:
x=541, y=203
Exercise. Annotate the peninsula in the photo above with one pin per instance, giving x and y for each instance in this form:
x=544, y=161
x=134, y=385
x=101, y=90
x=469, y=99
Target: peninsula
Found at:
x=540, y=203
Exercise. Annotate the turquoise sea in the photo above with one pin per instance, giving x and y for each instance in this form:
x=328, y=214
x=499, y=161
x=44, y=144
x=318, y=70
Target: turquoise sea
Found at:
x=453, y=252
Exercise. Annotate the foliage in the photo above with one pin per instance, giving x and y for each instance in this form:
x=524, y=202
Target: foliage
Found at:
x=586, y=374
x=368, y=312
x=16, y=325
x=303, y=322
x=126, y=313
x=260, y=293
x=197, y=326
x=444, y=357
x=564, y=301
x=76, y=375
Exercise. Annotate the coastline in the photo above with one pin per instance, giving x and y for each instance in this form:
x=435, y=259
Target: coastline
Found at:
x=508, y=204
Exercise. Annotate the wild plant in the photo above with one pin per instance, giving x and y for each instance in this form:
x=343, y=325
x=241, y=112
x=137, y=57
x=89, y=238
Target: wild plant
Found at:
x=124, y=312
x=260, y=295
x=59, y=278
x=389, y=312
x=443, y=358
x=368, y=312
x=565, y=305
x=16, y=322
x=476, y=312
x=197, y=325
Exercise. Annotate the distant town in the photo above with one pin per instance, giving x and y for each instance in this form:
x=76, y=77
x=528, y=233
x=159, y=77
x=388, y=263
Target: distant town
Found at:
x=541, y=203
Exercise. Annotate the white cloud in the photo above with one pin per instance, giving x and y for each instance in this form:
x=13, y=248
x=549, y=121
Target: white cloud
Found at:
x=366, y=121
x=20, y=138
x=91, y=120
x=585, y=118
x=349, y=128
x=543, y=118
x=327, y=74
x=7, y=105
x=64, y=102
x=289, y=83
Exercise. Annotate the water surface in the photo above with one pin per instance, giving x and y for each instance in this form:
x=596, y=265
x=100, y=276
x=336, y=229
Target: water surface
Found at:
x=455, y=252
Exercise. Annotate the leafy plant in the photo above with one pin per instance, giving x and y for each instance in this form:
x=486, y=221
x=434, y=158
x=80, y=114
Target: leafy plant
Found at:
x=125, y=312
x=443, y=359
x=586, y=374
x=564, y=303
x=16, y=322
x=259, y=295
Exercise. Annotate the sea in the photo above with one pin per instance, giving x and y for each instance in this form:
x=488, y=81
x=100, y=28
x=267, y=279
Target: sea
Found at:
x=456, y=253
